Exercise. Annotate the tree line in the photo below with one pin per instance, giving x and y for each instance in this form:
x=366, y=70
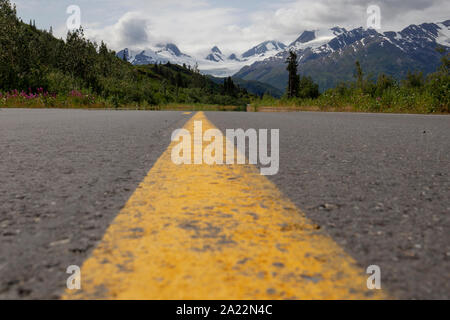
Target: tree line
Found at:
x=415, y=93
x=31, y=58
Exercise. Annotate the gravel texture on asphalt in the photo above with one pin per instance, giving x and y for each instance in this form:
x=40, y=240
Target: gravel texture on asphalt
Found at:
x=64, y=176
x=377, y=183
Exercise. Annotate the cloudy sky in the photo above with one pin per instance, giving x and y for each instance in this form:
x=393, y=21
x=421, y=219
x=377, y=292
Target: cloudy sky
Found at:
x=234, y=25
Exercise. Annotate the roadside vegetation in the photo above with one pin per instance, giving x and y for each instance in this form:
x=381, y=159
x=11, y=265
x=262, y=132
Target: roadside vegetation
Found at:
x=415, y=94
x=38, y=70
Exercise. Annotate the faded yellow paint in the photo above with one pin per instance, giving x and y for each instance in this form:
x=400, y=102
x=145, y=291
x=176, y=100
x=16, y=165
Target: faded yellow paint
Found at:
x=216, y=232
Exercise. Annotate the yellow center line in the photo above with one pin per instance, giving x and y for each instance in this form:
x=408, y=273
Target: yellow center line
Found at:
x=216, y=232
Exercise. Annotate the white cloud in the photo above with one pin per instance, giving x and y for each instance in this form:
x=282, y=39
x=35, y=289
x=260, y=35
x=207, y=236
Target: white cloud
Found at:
x=197, y=25
x=193, y=25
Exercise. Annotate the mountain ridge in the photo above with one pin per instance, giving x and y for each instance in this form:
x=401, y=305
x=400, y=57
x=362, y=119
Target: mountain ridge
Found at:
x=215, y=63
x=331, y=61
x=413, y=48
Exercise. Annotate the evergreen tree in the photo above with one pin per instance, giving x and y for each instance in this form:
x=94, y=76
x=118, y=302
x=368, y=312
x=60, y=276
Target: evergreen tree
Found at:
x=9, y=53
x=104, y=60
x=225, y=85
x=196, y=70
x=229, y=87
x=359, y=75
x=445, y=60
x=294, y=79
x=179, y=80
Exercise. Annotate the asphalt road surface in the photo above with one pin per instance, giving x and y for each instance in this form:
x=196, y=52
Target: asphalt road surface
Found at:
x=378, y=185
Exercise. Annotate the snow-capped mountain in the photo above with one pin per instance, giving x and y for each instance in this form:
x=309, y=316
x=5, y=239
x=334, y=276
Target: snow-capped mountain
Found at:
x=329, y=56
x=140, y=57
x=161, y=53
x=315, y=38
x=215, y=63
x=233, y=57
x=169, y=50
x=216, y=55
x=265, y=49
x=321, y=52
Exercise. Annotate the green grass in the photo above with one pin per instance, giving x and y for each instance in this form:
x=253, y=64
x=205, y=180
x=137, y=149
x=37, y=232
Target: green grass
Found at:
x=64, y=102
x=396, y=99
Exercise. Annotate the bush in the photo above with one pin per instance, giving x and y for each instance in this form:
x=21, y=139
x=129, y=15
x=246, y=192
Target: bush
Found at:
x=384, y=83
x=414, y=80
x=308, y=89
x=59, y=82
x=438, y=86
